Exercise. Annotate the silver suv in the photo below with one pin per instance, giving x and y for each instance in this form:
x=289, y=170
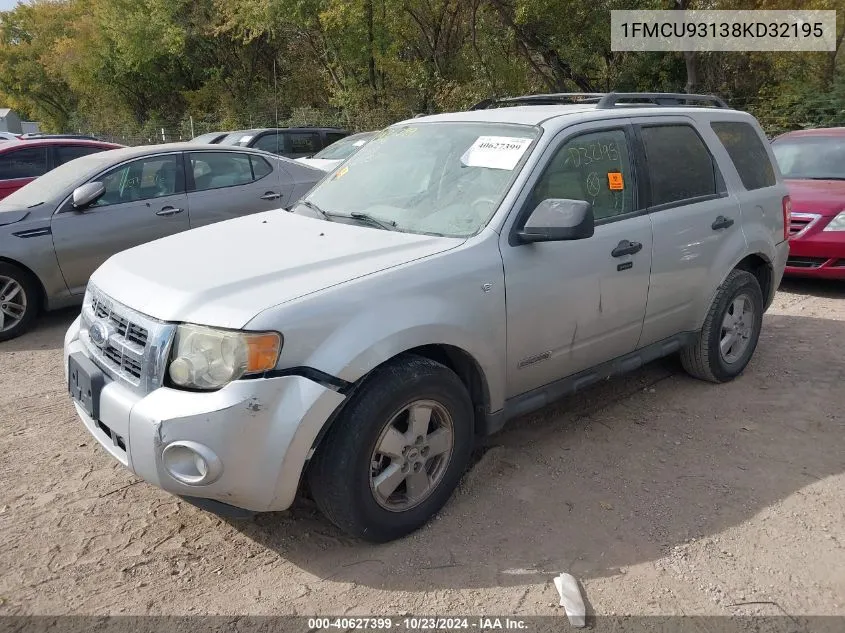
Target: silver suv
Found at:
x=458, y=271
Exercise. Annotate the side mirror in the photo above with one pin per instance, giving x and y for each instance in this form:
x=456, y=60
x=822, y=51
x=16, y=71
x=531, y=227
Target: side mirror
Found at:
x=558, y=219
x=87, y=194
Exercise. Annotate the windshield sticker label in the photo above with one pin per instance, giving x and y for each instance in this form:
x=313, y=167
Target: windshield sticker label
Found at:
x=615, y=181
x=495, y=152
x=340, y=173
x=358, y=143
x=245, y=139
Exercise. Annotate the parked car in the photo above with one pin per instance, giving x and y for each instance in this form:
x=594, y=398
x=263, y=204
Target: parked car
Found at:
x=337, y=152
x=39, y=135
x=58, y=229
x=212, y=138
x=21, y=161
x=8, y=136
x=290, y=142
x=458, y=271
x=813, y=163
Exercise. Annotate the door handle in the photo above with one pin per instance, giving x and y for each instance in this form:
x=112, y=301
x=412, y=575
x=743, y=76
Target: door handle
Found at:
x=271, y=195
x=721, y=223
x=626, y=248
x=168, y=211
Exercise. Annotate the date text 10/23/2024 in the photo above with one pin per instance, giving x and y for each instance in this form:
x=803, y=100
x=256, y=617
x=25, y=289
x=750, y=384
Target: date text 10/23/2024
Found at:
x=477, y=623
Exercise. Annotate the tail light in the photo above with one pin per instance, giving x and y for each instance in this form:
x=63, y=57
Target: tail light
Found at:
x=787, y=216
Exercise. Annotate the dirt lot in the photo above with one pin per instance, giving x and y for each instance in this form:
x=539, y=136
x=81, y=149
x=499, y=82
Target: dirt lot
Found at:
x=662, y=494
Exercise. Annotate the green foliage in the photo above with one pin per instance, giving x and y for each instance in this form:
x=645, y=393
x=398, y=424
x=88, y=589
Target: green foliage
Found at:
x=132, y=67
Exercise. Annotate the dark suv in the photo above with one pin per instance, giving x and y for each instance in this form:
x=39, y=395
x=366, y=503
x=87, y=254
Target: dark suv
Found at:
x=291, y=142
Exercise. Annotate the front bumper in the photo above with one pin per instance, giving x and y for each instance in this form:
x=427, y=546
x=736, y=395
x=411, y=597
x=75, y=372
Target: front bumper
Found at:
x=817, y=253
x=256, y=434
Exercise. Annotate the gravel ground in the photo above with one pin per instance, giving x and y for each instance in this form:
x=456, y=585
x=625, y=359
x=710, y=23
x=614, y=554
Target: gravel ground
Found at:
x=662, y=494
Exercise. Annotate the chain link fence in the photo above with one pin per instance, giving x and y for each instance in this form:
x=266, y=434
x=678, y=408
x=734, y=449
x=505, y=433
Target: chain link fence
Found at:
x=190, y=127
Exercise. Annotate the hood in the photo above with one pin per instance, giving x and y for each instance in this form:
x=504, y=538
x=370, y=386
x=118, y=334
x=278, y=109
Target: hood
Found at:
x=326, y=164
x=826, y=197
x=224, y=274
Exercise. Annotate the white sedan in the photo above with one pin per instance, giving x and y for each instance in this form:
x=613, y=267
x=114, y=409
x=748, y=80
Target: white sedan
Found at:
x=337, y=152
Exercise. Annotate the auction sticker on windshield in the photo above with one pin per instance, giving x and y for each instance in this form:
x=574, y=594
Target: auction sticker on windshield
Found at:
x=495, y=152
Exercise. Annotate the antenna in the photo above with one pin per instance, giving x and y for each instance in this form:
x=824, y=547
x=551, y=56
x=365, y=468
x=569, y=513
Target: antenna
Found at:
x=276, y=103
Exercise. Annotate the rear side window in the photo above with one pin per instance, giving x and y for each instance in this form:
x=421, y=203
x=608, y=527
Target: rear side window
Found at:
x=679, y=165
x=214, y=170
x=67, y=153
x=304, y=143
x=30, y=162
x=260, y=167
x=747, y=152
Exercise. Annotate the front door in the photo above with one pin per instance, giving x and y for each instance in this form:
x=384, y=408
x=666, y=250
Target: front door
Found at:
x=19, y=167
x=575, y=304
x=144, y=200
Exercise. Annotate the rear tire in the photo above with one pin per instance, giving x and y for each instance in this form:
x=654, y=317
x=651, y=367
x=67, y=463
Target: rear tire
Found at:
x=396, y=452
x=730, y=333
x=19, y=301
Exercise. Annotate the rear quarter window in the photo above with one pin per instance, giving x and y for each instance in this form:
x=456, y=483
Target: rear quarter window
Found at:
x=747, y=153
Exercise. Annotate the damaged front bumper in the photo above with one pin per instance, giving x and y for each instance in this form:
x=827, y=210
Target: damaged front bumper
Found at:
x=244, y=446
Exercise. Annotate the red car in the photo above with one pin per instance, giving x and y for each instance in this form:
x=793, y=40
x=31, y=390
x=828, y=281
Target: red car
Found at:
x=813, y=164
x=23, y=161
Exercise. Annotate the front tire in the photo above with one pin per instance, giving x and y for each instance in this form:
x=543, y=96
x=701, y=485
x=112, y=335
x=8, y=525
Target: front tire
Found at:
x=731, y=330
x=396, y=452
x=19, y=301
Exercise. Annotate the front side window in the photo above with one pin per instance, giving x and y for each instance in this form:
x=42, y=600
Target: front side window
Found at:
x=273, y=143
x=30, y=162
x=435, y=178
x=747, y=153
x=143, y=179
x=679, y=165
x=214, y=170
x=595, y=167
x=811, y=157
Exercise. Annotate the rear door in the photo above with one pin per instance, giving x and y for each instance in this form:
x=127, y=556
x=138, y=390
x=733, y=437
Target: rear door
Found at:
x=224, y=185
x=20, y=166
x=695, y=222
x=273, y=142
x=145, y=200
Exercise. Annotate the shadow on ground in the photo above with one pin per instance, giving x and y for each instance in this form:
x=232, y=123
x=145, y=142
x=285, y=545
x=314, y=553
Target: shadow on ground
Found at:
x=612, y=477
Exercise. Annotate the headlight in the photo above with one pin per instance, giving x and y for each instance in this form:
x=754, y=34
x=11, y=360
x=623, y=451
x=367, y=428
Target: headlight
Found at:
x=207, y=358
x=837, y=223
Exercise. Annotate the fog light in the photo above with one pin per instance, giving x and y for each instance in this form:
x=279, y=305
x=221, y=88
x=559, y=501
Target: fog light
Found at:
x=191, y=463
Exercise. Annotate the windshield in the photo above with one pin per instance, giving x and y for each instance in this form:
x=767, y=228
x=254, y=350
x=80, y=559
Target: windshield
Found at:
x=431, y=178
x=811, y=157
x=56, y=183
x=241, y=137
x=345, y=147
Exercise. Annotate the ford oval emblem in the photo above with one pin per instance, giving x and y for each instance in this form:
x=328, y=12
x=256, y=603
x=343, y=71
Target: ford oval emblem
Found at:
x=99, y=333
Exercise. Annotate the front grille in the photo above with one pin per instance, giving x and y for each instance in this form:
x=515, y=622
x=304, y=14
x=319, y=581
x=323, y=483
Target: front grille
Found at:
x=136, y=346
x=805, y=262
x=800, y=222
x=130, y=331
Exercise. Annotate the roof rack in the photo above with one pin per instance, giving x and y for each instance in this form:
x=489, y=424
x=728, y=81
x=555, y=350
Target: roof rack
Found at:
x=556, y=98
x=606, y=100
x=611, y=100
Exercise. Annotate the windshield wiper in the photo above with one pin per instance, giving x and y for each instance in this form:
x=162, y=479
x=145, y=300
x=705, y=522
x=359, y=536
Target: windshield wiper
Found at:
x=387, y=225
x=314, y=207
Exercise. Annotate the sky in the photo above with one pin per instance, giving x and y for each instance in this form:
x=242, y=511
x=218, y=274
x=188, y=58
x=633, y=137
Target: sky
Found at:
x=5, y=5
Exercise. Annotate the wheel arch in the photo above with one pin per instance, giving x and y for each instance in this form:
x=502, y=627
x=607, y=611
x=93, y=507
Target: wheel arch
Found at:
x=42, y=291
